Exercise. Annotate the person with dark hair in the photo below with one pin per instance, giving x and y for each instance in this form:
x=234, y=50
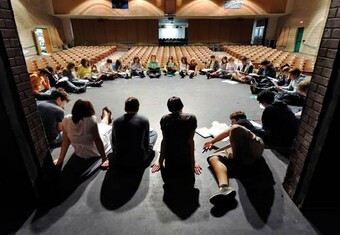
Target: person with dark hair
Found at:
x=177, y=155
x=106, y=71
x=136, y=68
x=269, y=82
x=288, y=94
x=245, y=148
x=154, y=67
x=266, y=69
x=57, y=82
x=90, y=140
x=211, y=66
x=242, y=71
x=183, y=66
x=41, y=84
x=282, y=77
x=170, y=67
x=192, y=68
x=84, y=69
x=119, y=69
x=279, y=125
x=70, y=73
x=132, y=139
x=52, y=114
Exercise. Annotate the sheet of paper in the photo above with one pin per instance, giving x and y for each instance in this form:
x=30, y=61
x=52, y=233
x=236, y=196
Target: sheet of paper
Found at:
x=217, y=128
x=204, y=132
x=230, y=82
x=273, y=80
x=255, y=124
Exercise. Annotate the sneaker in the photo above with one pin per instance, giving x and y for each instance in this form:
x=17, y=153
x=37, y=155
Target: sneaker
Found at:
x=224, y=195
x=208, y=75
x=191, y=75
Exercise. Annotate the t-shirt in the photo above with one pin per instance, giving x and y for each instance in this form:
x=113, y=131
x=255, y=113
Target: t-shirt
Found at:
x=105, y=68
x=153, y=65
x=130, y=139
x=80, y=135
x=279, y=120
x=178, y=129
x=83, y=71
x=51, y=114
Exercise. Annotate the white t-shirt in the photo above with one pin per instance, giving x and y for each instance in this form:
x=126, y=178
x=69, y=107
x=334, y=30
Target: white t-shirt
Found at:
x=81, y=138
x=104, y=68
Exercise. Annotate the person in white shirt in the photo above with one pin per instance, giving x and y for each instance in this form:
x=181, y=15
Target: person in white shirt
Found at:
x=105, y=70
x=90, y=140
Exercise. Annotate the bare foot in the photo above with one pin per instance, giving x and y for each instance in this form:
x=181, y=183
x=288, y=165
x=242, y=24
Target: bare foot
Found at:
x=106, y=113
x=105, y=164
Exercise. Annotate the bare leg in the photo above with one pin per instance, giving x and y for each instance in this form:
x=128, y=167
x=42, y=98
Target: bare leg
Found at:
x=220, y=171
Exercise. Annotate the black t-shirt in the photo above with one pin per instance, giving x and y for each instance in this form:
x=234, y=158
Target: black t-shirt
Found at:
x=178, y=130
x=279, y=120
x=130, y=139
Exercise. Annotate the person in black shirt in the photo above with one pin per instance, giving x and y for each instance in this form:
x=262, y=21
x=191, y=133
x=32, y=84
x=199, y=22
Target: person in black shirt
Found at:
x=177, y=147
x=279, y=125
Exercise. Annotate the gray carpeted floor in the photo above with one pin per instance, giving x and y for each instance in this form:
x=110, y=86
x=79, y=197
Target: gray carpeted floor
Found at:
x=134, y=202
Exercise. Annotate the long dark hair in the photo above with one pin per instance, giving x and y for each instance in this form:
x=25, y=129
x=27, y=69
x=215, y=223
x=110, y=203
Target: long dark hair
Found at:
x=82, y=109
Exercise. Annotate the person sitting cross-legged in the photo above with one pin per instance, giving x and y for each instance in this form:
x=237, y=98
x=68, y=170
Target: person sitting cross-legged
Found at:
x=153, y=67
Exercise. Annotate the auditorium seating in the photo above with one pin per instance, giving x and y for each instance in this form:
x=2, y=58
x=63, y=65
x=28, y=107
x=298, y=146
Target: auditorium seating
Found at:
x=201, y=53
x=75, y=54
x=256, y=53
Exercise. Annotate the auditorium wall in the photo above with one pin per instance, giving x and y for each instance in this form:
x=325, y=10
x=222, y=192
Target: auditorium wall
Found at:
x=308, y=14
x=220, y=31
x=31, y=14
x=97, y=32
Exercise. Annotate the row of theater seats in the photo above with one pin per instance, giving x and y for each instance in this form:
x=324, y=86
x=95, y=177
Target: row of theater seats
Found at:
x=200, y=53
x=257, y=53
x=75, y=54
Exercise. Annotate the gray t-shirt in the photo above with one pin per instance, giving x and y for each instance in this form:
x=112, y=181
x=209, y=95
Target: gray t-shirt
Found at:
x=51, y=113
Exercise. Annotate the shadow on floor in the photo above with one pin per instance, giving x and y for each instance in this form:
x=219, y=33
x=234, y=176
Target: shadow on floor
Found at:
x=120, y=185
x=258, y=182
x=180, y=195
x=74, y=175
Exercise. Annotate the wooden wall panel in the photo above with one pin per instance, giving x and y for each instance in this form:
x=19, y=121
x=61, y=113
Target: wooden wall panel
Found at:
x=77, y=27
x=121, y=30
x=89, y=34
x=132, y=32
x=218, y=31
x=142, y=26
x=193, y=31
x=214, y=30
x=225, y=31
x=153, y=31
x=203, y=30
x=100, y=32
x=110, y=30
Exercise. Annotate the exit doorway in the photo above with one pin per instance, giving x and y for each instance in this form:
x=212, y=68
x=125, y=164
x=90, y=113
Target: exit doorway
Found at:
x=298, y=40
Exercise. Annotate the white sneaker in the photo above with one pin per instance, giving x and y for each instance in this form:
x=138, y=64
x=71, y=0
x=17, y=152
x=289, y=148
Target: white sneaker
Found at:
x=223, y=196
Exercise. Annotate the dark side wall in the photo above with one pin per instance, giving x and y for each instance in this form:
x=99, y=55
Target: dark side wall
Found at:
x=24, y=156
